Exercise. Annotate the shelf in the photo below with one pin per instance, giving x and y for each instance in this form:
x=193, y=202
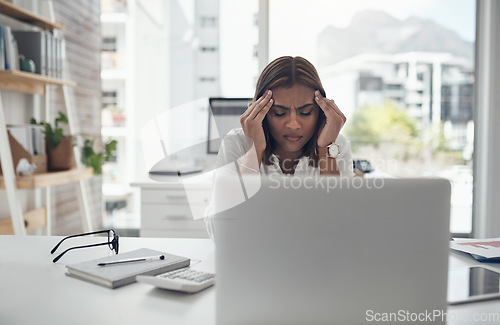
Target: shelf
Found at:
x=51, y=178
x=27, y=17
x=33, y=220
x=28, y=82
x=36, y=84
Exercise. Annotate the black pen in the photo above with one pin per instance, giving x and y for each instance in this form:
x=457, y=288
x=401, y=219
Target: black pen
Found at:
x=141, y=259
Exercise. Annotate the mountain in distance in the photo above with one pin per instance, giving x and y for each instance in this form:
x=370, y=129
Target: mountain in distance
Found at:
x=372, y=31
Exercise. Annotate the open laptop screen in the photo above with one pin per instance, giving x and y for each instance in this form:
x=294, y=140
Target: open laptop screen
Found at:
x=224, y=116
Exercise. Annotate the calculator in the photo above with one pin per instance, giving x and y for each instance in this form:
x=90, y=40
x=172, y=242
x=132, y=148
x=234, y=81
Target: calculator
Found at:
x=185, y=280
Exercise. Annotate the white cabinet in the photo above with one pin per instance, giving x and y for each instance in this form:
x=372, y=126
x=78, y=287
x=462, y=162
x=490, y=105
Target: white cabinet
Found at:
x=167, y=212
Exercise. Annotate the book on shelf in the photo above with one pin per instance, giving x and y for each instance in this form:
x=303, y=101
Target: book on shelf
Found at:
x=31, y=44
x=50, y=54
x=120, y=274
x=54, y=56
x=11, y=51
x=38, y=140
x=2, y=48
x=59, y=58
x=45, y=49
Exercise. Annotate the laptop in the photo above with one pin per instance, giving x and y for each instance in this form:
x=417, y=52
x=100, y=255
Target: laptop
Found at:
x=292, y=250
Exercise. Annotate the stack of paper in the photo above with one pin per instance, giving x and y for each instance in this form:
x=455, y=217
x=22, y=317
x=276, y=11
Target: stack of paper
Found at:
x=483, y=250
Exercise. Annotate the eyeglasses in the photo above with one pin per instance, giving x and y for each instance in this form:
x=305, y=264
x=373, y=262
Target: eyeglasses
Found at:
x=112, y=242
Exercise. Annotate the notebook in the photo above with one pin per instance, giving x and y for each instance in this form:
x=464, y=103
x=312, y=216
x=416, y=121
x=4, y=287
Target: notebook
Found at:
x=333, y=251
x=118, y=275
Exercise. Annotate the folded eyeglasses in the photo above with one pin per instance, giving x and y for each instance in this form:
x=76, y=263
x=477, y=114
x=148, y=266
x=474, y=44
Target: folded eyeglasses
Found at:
x=112, y=242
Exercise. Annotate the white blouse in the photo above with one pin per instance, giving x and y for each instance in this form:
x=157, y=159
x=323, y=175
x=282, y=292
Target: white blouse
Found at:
x=236, y=144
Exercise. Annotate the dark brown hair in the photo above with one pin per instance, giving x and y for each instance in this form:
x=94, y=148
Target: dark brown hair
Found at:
x=285, y=72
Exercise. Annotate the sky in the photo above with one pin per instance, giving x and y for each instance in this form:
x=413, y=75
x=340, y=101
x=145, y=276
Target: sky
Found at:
x=458, y=15
x=297, y=22
x=294, y=25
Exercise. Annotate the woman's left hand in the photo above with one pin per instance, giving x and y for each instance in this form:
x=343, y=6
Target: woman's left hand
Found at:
x=334, y=122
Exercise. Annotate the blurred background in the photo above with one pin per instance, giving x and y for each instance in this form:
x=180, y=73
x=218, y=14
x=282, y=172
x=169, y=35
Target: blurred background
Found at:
x=401, y=71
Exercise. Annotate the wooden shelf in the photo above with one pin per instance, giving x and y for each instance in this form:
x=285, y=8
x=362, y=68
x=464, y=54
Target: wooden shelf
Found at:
x=27, y=17
x=51, y=178
x=29, y=83
x=33, y=220
x=35, y=84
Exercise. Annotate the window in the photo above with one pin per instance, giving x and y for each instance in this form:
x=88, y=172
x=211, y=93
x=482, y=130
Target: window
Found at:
x=393, y=86
x=207, y=79
x=208, y=49
x=108, y=44
x=411, y=60
x=370, y=83
x=208, y=22
x=109, y=98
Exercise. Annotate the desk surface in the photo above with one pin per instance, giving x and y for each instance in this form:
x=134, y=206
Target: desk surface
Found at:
x=33, y=290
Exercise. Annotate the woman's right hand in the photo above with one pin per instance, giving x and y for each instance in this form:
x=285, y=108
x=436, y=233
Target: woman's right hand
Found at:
x=251, y=120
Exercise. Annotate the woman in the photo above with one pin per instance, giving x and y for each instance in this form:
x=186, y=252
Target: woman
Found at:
x=290, y=127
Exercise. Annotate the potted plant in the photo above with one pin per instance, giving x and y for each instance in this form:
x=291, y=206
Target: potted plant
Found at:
x=60, y=155
x=95, y=160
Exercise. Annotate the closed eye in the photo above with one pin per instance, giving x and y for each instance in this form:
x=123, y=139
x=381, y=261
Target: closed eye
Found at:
x=279, y=111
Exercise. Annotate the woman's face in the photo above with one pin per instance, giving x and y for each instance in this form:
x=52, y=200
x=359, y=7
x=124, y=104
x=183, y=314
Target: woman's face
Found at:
x=292, y=119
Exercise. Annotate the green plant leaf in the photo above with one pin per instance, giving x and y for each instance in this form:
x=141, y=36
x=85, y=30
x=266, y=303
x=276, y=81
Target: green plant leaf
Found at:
x=62, y=118
x=87, y=152
x=110, y=150
x=95, y=160
x=54, y=134
x=56, y=138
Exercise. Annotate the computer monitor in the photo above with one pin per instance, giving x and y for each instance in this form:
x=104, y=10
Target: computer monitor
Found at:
x=223, y=116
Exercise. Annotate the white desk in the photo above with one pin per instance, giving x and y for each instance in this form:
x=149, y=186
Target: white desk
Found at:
x=33, y=290
x=466, y=313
